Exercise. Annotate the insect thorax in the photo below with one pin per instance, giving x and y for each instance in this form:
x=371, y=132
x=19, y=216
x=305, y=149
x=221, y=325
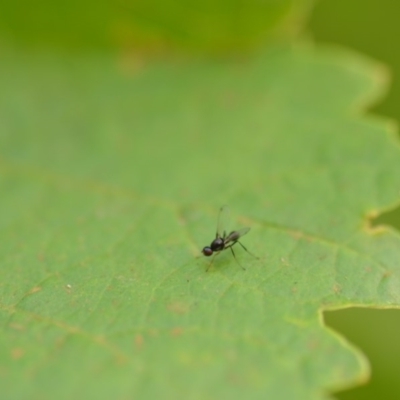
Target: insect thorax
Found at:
x=217, y=244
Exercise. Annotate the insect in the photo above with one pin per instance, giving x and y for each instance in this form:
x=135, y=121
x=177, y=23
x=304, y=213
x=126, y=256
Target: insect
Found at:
x=225, y=241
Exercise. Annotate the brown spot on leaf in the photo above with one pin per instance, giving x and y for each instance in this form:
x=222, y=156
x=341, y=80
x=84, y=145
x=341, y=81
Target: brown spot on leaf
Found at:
x=296, y=234
x=386, y=274
x=17, y=327
x=177, y=331
x=336, y=288
x=139, y=341
x=313, y=344
x=17, y=353
x=178, y=307
x=35, y=290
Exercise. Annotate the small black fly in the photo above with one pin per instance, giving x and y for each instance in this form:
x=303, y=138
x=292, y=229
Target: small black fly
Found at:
x=225, y=241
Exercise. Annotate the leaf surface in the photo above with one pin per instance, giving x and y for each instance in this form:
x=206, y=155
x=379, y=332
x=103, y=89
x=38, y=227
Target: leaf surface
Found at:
x=111, y=181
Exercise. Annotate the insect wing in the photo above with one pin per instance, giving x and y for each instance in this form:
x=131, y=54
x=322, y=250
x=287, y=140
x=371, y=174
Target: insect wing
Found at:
x=236, y=235
x=223, y=220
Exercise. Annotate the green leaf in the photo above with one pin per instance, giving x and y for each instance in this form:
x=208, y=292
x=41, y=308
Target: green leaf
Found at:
x=111, y=181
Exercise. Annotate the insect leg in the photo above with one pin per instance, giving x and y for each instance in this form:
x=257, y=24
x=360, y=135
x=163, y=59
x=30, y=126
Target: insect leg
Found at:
x=235, y=256
x=212, y=260
x=247, y=250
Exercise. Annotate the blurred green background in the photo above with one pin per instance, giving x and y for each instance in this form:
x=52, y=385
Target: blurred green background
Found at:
x=369, y=26
x=150, y=26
